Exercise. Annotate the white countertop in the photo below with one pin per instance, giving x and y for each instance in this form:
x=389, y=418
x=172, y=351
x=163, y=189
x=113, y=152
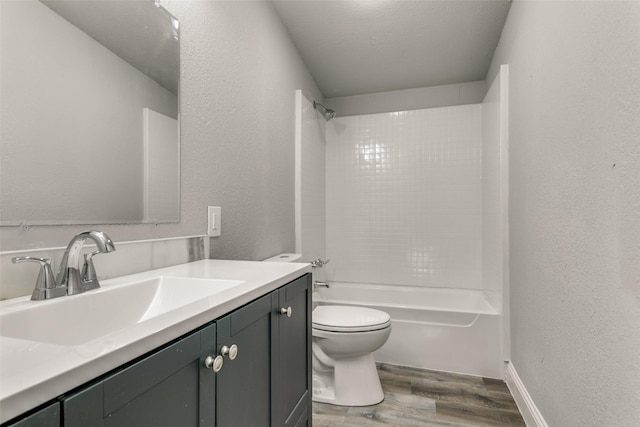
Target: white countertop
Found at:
x=32, y=373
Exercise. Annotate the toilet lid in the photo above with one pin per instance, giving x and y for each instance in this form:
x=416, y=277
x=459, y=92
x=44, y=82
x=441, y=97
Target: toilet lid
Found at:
x=339, y=318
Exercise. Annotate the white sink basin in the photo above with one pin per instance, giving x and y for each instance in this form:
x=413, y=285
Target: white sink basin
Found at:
x=78, y=319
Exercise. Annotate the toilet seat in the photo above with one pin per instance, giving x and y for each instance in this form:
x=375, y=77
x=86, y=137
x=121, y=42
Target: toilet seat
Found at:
x=335, y=318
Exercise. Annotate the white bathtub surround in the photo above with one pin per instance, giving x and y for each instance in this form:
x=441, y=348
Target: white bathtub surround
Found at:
x=404, y=197
x=128, y=258
x=495, y=189
x=495, y=200
x=411, y=197
x=310, y=153
x=453, y=330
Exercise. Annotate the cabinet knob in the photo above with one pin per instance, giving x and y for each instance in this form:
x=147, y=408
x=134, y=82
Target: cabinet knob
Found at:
x=286, y=311
x=215, y=364
x=231, y=352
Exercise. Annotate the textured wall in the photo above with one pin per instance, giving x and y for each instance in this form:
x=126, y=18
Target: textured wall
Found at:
x=239, y=73
x=575, y=207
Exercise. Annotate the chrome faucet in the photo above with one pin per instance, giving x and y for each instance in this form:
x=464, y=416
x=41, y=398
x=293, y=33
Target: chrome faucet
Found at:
x=79, y=276
x=72, y=278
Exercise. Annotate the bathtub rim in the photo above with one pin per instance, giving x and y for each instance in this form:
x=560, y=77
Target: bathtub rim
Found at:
x=487, y=307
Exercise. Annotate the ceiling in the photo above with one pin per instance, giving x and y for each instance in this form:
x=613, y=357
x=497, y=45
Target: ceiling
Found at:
x=354, y=47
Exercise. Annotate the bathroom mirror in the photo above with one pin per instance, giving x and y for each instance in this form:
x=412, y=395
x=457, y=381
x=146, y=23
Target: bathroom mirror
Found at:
x=89, y=119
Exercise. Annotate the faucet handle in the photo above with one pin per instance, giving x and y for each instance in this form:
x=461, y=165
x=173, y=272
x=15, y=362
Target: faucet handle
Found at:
x=45, y=283
x=319, y=262
x=88, y=273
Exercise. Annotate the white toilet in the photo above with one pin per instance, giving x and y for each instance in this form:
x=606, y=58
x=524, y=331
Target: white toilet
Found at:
x=344, y=338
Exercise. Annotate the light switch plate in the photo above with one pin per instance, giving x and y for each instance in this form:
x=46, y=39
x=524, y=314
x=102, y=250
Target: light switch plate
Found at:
x=214, y=220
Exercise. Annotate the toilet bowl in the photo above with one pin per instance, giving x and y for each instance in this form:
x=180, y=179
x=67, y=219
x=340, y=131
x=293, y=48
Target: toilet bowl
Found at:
x=344, y=338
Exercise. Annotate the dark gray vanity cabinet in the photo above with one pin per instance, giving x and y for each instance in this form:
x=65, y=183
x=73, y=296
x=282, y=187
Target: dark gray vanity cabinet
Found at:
x=293, y=379
x=266, y=383
x=171, y=387
x=49, y=416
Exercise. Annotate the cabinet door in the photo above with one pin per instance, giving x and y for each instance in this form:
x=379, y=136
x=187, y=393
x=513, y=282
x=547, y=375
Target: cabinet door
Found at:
x=294, y=353
x=49, y=416
x=169, y=388
x=244, y=387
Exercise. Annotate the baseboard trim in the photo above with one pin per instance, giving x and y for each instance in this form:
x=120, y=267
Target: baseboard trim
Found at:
x=528, y=409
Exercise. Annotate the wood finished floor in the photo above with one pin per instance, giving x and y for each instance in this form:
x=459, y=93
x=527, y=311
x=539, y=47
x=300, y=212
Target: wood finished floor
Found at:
x=417, y=397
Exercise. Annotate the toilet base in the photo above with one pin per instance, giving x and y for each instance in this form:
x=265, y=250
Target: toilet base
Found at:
x=352, y=381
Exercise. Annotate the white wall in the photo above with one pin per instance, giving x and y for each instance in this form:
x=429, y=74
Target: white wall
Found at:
x=404, y=198
x=409, y=99
x=239, y=73
x=575, y=207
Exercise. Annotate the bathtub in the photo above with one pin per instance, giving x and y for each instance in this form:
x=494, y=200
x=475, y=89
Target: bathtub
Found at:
x=453, y=330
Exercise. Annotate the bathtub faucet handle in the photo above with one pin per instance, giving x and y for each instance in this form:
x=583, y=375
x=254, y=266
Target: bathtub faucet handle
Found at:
x=317, y=284
x=319, y=263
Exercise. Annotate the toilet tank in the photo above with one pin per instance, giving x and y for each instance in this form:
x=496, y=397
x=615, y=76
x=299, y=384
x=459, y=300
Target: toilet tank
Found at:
x=284, y=258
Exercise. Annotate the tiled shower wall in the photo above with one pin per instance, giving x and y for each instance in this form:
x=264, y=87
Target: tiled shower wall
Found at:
x=404, y=202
